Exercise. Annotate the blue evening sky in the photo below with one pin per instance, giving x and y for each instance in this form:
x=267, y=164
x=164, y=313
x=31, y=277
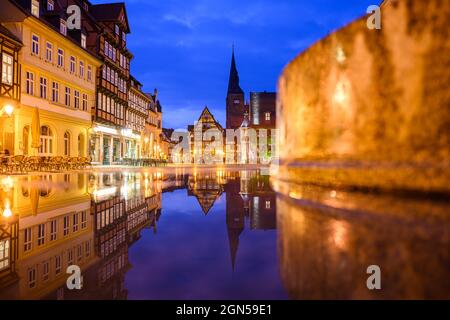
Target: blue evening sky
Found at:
x=183, y=47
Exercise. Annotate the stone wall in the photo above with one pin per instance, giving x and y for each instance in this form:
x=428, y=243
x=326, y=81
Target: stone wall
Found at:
x=371, y=108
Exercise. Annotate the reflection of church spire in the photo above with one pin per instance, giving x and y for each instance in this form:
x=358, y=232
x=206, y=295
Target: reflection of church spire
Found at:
x=233, y=239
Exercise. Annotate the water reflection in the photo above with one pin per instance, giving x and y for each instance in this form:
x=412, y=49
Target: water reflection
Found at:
x=93, y=220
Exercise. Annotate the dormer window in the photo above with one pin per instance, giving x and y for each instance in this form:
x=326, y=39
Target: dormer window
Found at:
x=35, y=8
x=63, y=27
x=50, y=5
x=83, y=41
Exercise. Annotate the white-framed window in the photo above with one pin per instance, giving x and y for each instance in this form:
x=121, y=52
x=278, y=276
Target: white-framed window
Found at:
x=45, y=270
x=268, y=204
x=46, y=148
x=267, y=116
x=7, y=68
x=83, y=220
x=58, y=264
x=4, y=254
x=83, y=41
x=32, y=277
x=75, y=223
x=70, y=257
x=60, y=58
x=66, y=225
x=55, y=92
x=35, y=44
x=81, y=71
x=67, y=144
x=77, y=99
x=41, y=234
x=63, y=27
x=72, y=64
x=89, y=73
x=49, y=52
x=85, y=102
x=30, y=83
x=50, y=5
x=27, y=239
x=35, y=8
x=43, y=88
x=68, y=96
x=53, y=230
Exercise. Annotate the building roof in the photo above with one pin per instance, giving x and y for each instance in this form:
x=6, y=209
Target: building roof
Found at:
x=110, y=12
x=5, y=32
x=233, y=82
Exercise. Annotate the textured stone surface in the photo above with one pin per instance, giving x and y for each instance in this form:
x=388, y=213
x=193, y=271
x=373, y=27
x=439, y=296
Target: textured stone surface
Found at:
x=371, y=108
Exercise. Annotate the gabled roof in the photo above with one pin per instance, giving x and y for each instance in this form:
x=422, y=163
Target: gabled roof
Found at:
x=110, y=12
x=207, y=113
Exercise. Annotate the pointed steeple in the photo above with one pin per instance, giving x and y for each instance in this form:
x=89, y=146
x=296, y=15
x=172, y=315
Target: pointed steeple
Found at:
x=233, y=82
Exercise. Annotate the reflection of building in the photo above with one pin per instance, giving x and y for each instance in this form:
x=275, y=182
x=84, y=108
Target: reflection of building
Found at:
x=58, y=78
x=9, y=86
x=206, y=188
x=250, y=196
x=206, y=139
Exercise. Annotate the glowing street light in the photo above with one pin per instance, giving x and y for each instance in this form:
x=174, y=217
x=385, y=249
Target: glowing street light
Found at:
x=8, y=110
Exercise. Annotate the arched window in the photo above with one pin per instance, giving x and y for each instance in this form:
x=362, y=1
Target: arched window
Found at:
x=46, y=148
x=67, y=144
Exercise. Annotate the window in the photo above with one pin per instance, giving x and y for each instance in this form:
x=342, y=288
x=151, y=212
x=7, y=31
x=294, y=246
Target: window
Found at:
x=83, y=41
x=75, y=223
x=55, y=92
x=85, y=102
x=72, y=64
x=87, y=248
x=7, y=69
x=66, y=225
x=57, y=264
x=83, y=220
x=35, y=8
x=53, y=230
x=77, y=99
x=61, y=58
x=32, y=277
x=50, y=5
x=43, y=88
x=4, y=254
x=267, y=115
x=63, y=27
x=124, y=37
x=49, y=52
x=46, y=148
x=117, y=30
x=45, y=270
x=81, y=72
x=79, y=252
x=35, y=44
x=30, y=83
x=67, y=101
x=27, y=240
x=67, y=144
x=89, y=73
x=41, y=234
x=70, y=257
x=268, y=204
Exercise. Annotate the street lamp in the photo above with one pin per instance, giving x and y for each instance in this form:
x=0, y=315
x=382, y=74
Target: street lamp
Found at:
x=8, y=110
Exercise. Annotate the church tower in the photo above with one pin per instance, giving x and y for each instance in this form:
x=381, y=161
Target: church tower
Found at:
x=235, y=98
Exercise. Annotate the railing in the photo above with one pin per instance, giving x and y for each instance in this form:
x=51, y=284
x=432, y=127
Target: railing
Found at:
x=25, y=164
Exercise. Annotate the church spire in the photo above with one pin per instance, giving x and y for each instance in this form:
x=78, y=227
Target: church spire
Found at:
x=233, y=82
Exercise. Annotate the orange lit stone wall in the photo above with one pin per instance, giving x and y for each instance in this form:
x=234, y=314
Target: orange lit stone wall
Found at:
x=371, y=108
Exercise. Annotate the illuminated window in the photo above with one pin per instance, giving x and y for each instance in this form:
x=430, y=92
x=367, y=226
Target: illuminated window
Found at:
x=50, y=5
x=43, y=88
x=85, y=102
x=83, y=220
x=46, y=148
x=89, y=73
x=75, y=223
x=30, y=83
x=77, y=99
x=4, y=254
x=267, y=116
x=70, y=257
x=7, y=68
x=66, y=225
x=32, y=277
x=268, y=204
x=35, y=8
x=72, y=64
x=83, y=41
x=67, y=144
x=57, y=264
x=81, y=71
x=45, y=270
x=55, y=92
x=68, y=96
x=53, y=230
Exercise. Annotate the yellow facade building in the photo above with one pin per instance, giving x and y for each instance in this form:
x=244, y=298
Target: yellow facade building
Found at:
x=58, y=78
